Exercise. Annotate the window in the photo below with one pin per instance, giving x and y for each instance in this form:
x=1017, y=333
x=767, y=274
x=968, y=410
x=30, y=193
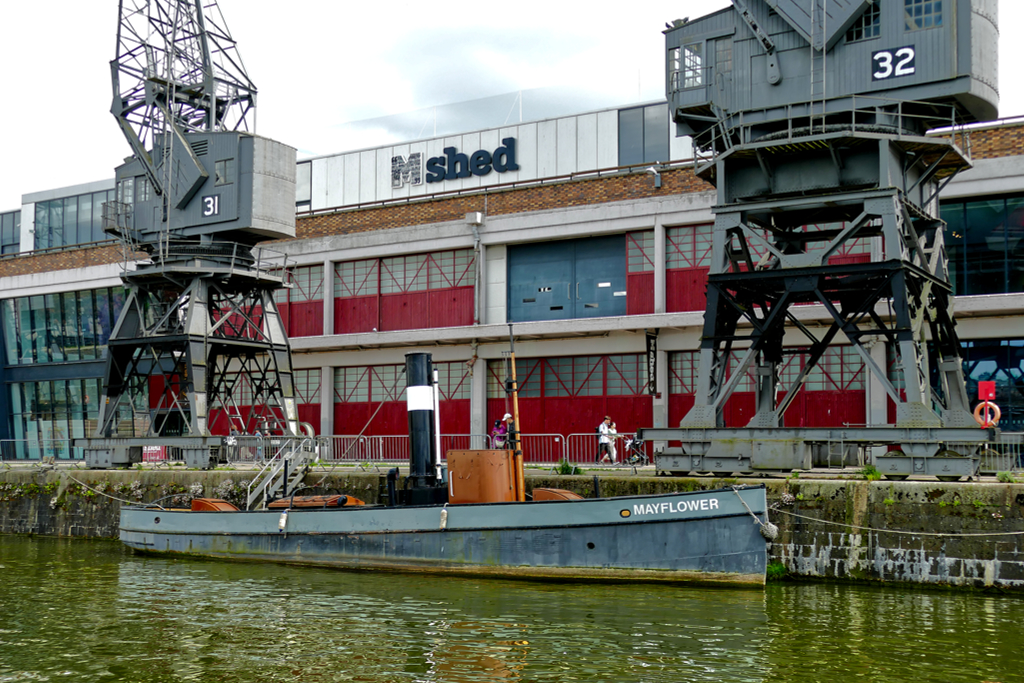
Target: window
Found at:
x=224, y=172
x=643, y=135
x=985, y=245
x=693, y=65
x=144, y=190
x=69, y=220
x=573, y=376
x=869, y=25
x=922, y=14
x=10, y=232
x=67, y=326
x=723, y=55
x=126, y=191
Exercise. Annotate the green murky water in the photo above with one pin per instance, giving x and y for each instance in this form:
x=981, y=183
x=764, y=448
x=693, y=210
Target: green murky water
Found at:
x=90, y=611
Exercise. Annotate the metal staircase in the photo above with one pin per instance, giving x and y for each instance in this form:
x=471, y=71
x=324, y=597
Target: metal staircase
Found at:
x=284, y=471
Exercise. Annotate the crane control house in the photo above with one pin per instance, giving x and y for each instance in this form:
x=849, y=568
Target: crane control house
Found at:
x=593, y=234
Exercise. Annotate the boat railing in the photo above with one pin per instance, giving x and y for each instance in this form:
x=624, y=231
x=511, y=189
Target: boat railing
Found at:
x=282, y=471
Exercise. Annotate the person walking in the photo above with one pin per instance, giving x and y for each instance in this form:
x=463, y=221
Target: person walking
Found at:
x=604, y=446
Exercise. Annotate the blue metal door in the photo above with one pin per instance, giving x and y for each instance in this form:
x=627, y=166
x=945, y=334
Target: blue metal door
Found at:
x=583, y=278
x=540, y=281
x=600, y=277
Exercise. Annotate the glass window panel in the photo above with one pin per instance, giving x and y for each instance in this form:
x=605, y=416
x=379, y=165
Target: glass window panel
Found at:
x=683, y=372
x=71, y=339
x=656, y=134
x=1015, y=244
x=87, y=325
x=118, y=303
x=10, y=322
x=449, y=269
x=626, y=375
x=57, y=223
x=955, y=238
x=25, y=347
x=922, y=14
x=693, y=65
x=40, y=348
x=85, y=204
x=723, y=55
x=54, y=328
x=356, y=278
x=96, y=231
x=387, y=384
x=103, y=320
x=404, y=274
x=640, y=251
x=985, y=258
x=42, y=227
x=558, y=377
x=631, y=136
x=71, y=220
x=351, y=385
x=588, y=376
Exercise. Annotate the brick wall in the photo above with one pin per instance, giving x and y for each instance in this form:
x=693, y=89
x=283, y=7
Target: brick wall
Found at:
x=60, y=260
x=999, y=141
x=500, y=202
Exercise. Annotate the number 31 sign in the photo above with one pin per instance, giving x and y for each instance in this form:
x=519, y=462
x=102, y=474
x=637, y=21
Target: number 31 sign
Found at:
x=892, y=63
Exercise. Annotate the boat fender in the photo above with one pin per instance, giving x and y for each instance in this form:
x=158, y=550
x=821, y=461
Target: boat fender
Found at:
x=281, y=523
x=768, y=530
x=444, y=516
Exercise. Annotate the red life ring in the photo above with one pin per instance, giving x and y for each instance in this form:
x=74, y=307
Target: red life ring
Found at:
x=984, y=420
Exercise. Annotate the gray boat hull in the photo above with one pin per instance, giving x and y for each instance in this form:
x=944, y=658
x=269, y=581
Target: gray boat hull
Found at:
x=702, y=536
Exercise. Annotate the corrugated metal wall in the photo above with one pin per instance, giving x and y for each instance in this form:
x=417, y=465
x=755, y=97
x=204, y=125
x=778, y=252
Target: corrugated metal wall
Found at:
x=543, y=149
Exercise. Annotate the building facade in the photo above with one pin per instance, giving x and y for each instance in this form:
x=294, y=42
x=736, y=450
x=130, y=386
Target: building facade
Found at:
x=588, y=234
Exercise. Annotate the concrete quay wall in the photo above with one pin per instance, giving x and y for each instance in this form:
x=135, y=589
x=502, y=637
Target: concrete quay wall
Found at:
x=963, y=534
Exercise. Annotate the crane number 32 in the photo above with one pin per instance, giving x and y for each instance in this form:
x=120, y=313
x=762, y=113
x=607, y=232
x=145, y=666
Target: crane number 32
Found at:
x=892, y=63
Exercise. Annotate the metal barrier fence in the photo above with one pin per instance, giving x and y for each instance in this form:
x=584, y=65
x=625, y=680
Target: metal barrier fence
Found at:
x=1004, y=455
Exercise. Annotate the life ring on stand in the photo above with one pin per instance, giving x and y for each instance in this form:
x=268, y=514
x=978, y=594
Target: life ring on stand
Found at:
x=982, y=414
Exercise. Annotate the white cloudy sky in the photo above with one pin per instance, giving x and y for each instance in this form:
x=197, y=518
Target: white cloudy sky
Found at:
x=319, y=65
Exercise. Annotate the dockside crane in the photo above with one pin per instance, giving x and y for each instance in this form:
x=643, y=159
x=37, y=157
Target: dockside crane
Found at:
x=199, y=349
x=825, y=124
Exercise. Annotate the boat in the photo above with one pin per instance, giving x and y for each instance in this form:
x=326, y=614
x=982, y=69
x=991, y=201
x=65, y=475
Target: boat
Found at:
x=471, y=516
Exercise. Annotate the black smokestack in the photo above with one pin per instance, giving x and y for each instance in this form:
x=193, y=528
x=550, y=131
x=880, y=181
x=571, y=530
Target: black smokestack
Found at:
x=419, y=373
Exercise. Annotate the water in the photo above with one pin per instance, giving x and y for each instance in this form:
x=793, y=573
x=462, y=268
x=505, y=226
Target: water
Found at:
x=90, y=611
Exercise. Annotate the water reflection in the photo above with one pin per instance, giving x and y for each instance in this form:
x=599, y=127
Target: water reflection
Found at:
x=79, y=610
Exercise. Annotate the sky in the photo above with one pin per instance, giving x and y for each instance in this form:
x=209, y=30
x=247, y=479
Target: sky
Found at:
x=319, y=66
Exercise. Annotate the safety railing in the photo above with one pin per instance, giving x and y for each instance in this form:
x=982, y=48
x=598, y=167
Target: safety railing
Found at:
x=1003, y=455
x=582, y=449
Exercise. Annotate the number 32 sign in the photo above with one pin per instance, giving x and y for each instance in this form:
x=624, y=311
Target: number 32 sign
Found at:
x=892, y=63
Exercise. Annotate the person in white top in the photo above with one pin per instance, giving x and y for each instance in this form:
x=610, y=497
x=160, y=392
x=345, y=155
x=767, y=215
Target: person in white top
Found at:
x=605, y=448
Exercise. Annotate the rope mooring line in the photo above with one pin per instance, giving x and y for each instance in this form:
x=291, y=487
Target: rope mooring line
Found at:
x=94, y=490
x=901, y=531
x=768, y=530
